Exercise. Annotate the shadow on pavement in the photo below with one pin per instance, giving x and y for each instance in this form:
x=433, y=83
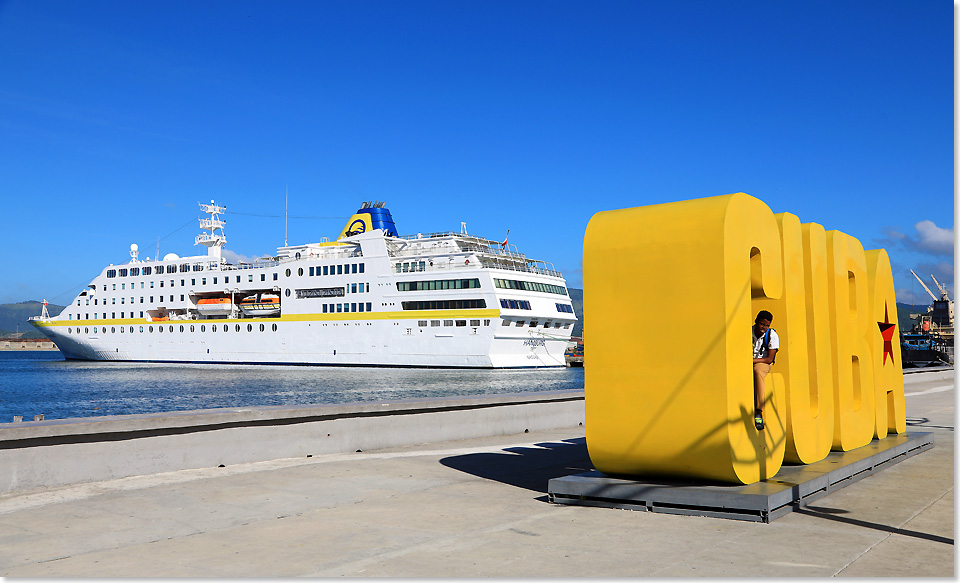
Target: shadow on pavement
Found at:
x=530, y=468
x=830, y=514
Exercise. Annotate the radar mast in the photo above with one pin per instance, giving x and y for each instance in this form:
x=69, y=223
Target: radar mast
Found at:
x=215, y=239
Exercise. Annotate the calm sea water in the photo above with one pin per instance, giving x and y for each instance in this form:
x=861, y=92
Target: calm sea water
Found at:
x=33, y=383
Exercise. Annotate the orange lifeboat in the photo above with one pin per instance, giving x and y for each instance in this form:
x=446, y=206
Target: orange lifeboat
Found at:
x=260, y=305
x=214, y=306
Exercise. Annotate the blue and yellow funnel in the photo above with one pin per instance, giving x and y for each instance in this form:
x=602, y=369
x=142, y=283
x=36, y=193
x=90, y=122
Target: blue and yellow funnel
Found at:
x=372, y=215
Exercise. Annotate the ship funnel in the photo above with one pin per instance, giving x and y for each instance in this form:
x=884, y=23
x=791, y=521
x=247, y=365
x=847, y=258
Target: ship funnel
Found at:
x=370, y=216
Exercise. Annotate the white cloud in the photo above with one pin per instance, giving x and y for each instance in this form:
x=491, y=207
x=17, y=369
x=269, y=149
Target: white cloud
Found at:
x=234, y=257
x=931, y=239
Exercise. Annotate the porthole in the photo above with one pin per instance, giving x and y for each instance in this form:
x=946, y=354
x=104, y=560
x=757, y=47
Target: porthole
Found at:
x=238, y=327
x=226, y=327
x=160, y=329
x=131, y=329
x=274, y=327
x=261, y=327
x=69, y=330
x=86, y=330
x=141, y=329
x=150, y=329
x=191, y=327
x=300, y=271
x=287, y=293
x=203, y=328
x=170, y=329
x=112, y=329
x=213, y=328
x=249, y=327
x=181, y=328
x=288, y=273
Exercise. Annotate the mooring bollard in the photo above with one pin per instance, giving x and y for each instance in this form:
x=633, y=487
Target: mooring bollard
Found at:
x=38, y=417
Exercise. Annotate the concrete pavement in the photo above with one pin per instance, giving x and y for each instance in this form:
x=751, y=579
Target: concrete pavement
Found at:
x=473, y=508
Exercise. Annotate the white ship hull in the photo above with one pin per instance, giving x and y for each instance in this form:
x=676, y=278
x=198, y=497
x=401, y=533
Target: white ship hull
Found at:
x=370, y=299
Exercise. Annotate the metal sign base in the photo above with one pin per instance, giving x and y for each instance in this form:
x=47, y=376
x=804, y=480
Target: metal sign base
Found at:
x=794, y=486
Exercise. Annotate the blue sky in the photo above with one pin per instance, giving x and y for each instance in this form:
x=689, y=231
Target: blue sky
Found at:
x=116, y=118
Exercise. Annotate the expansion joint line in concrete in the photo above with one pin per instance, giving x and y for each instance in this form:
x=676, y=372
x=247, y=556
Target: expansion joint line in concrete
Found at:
x=893, y=531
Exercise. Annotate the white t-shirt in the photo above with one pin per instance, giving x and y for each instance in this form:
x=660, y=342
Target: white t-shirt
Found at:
x=758, y=350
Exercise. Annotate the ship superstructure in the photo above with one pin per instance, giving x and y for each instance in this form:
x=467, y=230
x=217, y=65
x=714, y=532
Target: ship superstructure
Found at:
x=371, y=297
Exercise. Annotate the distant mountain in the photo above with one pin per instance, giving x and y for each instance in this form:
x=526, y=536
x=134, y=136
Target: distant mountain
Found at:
x=903, y=315
x=14, y=315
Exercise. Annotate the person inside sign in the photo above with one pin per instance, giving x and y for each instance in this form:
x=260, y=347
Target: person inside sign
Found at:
x=766, y=343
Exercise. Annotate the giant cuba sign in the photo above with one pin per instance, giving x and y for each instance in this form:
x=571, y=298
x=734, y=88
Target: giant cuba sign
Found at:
x=672, y=290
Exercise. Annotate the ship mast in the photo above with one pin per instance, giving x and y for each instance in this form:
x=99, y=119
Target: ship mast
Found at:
x=215, y=239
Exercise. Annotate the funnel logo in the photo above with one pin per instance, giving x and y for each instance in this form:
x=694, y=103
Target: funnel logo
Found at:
x=356, y=227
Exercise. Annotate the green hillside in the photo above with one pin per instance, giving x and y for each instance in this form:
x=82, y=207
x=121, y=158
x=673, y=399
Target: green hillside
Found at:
x=14, y=315
x=903, y=315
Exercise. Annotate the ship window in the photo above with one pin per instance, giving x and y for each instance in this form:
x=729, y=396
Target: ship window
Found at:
x=171, y=283
x=311, y=271
x=237, y=327
x=112, y=329
x=184, y=267
x=226, y=327
x=287, y=292
x=212, y=328
x=361, y=306
x=533, y=323
x=353, y=307
x=368, y=306
x=249, y=327
x=181, y=328
x=147, y=270
x=353, y=267
x=444, y=304
x=423, y=266
x=198, y=267
x=181, y=297
x=123, y=273
x=361, y=268
x=486, y=322
x=193, y=281
x=170, y=328
x=339, y=270
x=300, y=272
x=287, y=273
x=353, y=288
x=474, y=322
x=203, y=281
x=111, y=273
x=324, y=308
x=238, y=279
x=339, y=308
x=214, y=281
x=325, y=270
x=202, y=328
x=171, y=269
x=141, y=299
x=191, y=327
x=434, y=323
x=249, y=277
x=134, y=271
x=160, y=329
x=274, y=327
x=261, y=327
x=448, y=322
x=565, y=326
x=461, y=323
x=520, y=323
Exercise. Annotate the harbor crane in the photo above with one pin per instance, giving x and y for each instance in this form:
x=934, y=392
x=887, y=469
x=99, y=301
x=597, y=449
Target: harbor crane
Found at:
x=942, y=288
x=935, y=298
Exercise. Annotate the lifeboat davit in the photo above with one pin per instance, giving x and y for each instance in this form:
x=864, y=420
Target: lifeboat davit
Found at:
x=214, y=306
x=260, y=305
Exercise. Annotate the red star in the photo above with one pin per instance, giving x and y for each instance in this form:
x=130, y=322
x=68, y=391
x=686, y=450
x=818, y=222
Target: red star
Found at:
x=887, y=329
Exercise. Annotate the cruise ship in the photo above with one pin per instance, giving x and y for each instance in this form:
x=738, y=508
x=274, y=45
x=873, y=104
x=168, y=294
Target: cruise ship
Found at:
x=369, y=298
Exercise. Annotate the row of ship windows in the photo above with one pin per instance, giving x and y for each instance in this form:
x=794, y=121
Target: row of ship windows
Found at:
x=444, y=305
x=530, y=286
x=438, y=284
x=183, y=282
x=341, y=269
x=460, y=323
x=345, y=307
x=187, y=268
x=112, y=315
x=534, y=324
x=183, y=328
x=525, y=305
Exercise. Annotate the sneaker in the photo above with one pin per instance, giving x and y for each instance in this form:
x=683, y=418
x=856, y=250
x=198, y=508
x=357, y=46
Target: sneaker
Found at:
x=758, y=419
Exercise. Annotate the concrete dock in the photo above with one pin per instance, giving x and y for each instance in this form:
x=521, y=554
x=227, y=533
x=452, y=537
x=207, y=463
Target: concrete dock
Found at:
x=474, y=507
